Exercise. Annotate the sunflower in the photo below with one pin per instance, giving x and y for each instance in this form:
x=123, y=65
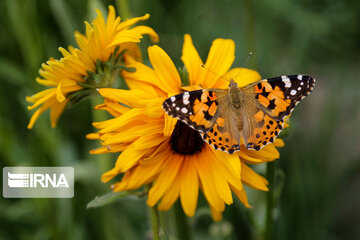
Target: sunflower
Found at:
x=166, y=154
x=95, y=64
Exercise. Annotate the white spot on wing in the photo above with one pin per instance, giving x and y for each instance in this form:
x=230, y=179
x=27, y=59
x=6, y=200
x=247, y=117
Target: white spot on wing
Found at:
x=286, y=81
x=186, y=98
x=177, y=108
x=173, y=99
x=299, y=88
x=184, y=110
x=299, y=77
x=293, y=92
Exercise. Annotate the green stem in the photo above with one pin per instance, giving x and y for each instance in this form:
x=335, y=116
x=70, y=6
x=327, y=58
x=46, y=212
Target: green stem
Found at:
x=182, y=225
x=155, y=222
x=249, y=16
x=270, y=175
x=123, y=9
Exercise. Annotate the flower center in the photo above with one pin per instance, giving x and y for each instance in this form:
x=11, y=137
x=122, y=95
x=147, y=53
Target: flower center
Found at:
x=185, y=140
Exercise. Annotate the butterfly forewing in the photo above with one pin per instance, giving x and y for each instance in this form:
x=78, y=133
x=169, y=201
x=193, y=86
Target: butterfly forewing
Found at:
x=278, y=96
x=195, y=108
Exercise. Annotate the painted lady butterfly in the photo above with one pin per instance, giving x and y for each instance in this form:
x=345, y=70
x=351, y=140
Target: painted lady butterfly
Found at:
x=254, y=113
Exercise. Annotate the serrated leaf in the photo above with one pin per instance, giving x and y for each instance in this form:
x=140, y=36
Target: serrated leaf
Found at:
x=106, y=199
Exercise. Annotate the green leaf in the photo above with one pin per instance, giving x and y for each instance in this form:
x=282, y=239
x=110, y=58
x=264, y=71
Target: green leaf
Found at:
x=106, y=199
x=112, y=197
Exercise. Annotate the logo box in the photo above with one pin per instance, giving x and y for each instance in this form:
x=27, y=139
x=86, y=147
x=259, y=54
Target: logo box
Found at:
x=38, y=182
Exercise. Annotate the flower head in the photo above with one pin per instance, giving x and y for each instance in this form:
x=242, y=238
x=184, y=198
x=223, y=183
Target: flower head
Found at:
x=166, y=153
x=95, y=64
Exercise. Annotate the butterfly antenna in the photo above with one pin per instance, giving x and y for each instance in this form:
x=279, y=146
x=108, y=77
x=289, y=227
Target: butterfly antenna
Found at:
x=202, y=65
x=244, y=64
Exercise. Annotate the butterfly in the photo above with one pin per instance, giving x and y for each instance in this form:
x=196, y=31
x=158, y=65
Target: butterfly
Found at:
x=253, y=114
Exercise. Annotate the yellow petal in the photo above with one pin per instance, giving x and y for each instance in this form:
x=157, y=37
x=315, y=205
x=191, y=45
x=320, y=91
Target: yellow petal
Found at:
x=62, y=84
x=230, y=168
x=243, y=76
x=279, y=142
x=142, y=30
x=133, y=50
x=169, y=125
x=92, y=136
x=35, y=116
x=150, y=166
x=111, y=22
x=144, y=74
x=45, y=82
x=216, y=216
x=56, y=112
x=132, y=21
x=189, y=187
x=131, y=134
x=154, y=108
x=207, y=182
x=132, y=98
x=123, y=185
x=111, y=14
x=249, y=177
x=170, y=196
x=242, y=196
x=136, y=151
x=165, y=179
x=243, y=154
x=45, y=95
x=221, y=184
x=192, y=61
x=267, y=153
x=109, y=175
x=164, y=69
x=125, y=36
x=220, y=59
x=116, y=123
x=114, y=108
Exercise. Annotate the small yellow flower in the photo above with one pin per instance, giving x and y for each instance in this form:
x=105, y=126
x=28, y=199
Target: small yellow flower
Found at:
x=93, y=65
x=166, y=153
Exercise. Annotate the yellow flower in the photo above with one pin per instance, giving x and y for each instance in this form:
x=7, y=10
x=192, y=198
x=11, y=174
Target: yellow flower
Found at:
x=166, y=153
x=76, y=70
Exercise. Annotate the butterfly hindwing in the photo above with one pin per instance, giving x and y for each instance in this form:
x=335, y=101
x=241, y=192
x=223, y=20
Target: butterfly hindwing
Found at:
x=195, y=108
x=219, y=137
x=265, y=131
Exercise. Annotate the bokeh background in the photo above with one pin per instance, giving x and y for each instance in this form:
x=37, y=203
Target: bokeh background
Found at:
x=317, y=181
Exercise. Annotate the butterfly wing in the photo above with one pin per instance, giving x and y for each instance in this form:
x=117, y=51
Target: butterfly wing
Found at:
x=278, y=96
x=199, y=109
x=259, y=121
x=274, y=99
x=225, y=134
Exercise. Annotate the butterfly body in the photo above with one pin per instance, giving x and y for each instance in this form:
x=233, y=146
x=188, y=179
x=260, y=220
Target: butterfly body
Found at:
x=252, y=115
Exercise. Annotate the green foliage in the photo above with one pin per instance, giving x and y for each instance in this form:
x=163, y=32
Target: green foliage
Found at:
x=320, y=162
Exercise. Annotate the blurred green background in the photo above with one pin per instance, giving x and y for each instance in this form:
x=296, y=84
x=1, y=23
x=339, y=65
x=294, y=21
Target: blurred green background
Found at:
x=319, y=166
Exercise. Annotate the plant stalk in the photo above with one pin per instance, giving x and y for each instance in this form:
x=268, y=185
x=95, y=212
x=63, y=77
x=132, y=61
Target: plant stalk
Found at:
x=181, y=223
x=270, y=175
x=155, y=222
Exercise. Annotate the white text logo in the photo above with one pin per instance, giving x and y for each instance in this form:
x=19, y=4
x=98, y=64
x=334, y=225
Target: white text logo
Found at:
x=38, y=182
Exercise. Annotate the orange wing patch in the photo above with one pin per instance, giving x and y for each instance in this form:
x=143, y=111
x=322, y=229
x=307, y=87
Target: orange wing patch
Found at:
x=220, y=139
x=195, y=108
x=266, y=132
x=280, y=95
